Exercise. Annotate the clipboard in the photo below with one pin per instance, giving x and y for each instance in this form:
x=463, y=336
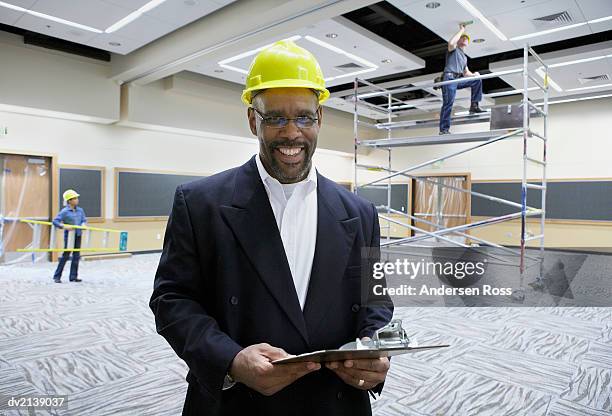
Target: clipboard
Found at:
x=388, y=341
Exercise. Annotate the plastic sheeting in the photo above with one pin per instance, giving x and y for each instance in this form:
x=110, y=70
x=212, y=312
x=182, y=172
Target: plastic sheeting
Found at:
x=25, y=184
x=438, y=204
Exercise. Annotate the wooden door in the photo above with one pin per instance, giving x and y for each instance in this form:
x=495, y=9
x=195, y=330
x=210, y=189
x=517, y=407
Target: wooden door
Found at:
x=439, y=204
x=25, y=192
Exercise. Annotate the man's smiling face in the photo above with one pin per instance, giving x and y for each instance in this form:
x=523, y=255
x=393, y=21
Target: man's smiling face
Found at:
x=286, y=152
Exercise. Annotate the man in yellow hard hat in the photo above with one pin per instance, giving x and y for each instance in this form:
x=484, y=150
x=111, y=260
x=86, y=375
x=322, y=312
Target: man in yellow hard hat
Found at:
x=265, y=260
x=456, y=67
x=71, y=214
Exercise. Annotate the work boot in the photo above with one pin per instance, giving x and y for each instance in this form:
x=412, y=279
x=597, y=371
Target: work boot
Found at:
x=475, y=109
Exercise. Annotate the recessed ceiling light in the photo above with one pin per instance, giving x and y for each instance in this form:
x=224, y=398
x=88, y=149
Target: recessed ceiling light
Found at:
x=114, y=43
x=478, y=15
x=590, y=87
x=569, y=100
x=370, y=65
x=116, y=26
x=224, y=63
x=432, y=5
x=479, y=40
x=558, y=29
x=386, y=61
x=331, y=35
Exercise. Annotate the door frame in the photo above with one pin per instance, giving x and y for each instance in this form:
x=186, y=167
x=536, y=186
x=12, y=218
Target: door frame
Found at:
x=54, y=200
x=468, y=182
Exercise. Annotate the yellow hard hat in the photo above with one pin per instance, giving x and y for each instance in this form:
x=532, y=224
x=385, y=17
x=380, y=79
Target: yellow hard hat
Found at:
x=282, y=65
x=467, y=36
x=69, y=194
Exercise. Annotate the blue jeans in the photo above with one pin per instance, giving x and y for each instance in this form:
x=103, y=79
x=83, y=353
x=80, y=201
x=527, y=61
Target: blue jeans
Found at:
x=74, y=264
x=448, y=97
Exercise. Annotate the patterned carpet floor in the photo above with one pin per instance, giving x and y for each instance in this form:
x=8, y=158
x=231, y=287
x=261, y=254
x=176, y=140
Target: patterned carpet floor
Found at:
x=95, y=342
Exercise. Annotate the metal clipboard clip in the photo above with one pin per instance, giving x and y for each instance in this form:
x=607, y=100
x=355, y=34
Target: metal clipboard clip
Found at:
x=390, y=336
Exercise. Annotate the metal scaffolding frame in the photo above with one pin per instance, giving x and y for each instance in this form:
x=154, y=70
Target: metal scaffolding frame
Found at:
x=364, y=89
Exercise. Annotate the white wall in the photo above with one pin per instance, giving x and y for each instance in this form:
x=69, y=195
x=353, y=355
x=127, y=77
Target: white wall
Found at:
x=37, y=78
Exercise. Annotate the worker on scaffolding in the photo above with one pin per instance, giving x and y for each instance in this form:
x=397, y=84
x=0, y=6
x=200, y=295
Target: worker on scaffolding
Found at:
x=456, y=67
x=70, y=215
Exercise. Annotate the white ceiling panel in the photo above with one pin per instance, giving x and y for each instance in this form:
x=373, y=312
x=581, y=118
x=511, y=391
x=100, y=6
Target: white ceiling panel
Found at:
x=128, y=4
x=538, y=17
x=94, y=13
x=21, y=3
x=512, y=18
x=568, y=69
x=184, y=12
x=57, y=30
x=144, y=29
x=593, y=9
x=494, y=7
x=101, y=14
x=114, y=43
x=8, y=16
x=351, y=39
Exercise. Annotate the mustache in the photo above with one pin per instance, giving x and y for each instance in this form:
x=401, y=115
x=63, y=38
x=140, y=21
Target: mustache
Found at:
x=288, y=143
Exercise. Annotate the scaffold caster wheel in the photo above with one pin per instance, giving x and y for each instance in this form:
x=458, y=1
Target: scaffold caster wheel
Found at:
x=537, y=284
x=518, y=295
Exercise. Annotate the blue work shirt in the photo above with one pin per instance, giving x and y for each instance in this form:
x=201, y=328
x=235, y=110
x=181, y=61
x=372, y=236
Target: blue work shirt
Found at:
x=69, y=216
x=456, y=61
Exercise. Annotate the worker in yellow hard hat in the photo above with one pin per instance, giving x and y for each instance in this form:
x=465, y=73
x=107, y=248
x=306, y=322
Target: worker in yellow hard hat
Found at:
x=456, y=67
x=264, y=260
x=71, y=214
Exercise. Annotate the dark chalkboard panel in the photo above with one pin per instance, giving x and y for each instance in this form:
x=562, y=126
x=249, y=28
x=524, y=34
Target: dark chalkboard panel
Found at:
x=569, y=200
x=145, y=194
x=377, y=194
x=88, y=183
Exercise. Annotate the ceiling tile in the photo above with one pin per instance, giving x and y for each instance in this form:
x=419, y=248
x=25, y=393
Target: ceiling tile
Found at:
x=8, y=16
x=523, y=21
x=593, y=9
x=554, y=37
x=104, y=40
x=50, y=28
x=350, y=38
x=26, y=4
x=128, y=4
x=491, y=8
x=94, y=13
x=182, y=12
x=145, y=29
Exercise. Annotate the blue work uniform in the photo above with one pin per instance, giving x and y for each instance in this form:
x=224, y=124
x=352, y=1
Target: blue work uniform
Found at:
x=72, y=217
x=456, y=62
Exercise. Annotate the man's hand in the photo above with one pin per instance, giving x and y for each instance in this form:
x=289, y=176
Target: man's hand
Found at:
x=362, y=374
x=461, y=27
x=252, y=367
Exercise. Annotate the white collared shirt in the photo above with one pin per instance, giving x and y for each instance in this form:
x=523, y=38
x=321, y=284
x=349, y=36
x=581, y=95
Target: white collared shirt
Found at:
x=295, y=211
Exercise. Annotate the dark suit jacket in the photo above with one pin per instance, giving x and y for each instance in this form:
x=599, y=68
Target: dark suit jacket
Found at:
x=223, y=283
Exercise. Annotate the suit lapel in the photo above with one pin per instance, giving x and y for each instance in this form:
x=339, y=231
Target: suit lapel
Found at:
x=252, y=221
x=335, y=237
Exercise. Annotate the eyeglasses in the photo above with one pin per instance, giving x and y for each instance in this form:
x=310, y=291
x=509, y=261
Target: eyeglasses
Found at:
x=278, y=122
